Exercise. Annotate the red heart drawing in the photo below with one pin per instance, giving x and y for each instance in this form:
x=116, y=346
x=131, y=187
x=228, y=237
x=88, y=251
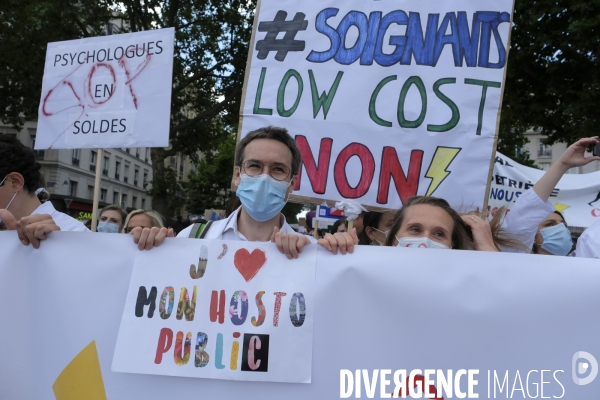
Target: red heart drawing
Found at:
x=248, y=264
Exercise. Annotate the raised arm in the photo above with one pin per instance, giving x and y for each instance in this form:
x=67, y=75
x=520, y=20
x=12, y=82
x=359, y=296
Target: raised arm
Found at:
x=574, y=156
x=533, y=207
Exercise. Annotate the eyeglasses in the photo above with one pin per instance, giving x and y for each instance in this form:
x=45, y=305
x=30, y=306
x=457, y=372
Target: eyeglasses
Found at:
x=278, y=171
x=2, y=183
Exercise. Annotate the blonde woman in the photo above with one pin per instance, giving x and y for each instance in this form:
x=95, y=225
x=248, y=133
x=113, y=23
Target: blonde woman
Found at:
x=142, y=219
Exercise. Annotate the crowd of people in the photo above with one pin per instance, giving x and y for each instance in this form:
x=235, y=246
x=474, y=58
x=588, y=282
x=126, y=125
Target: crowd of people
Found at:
x=267, y=164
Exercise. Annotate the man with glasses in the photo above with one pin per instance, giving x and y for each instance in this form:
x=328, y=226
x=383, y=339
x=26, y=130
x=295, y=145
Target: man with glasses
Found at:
x=267, y=164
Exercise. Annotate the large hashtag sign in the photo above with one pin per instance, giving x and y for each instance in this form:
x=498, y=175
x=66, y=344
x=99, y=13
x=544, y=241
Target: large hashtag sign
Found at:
x=282, y=46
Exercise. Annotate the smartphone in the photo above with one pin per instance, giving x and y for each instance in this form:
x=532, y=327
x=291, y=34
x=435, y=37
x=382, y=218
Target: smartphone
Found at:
x=597, y=150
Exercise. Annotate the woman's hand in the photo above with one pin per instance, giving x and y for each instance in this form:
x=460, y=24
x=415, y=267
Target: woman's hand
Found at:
x=483, y=239
x=345, y=242
x=574, y=156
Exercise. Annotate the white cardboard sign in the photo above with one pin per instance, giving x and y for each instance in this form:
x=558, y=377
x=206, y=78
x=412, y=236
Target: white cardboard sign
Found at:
x=223, y=310
x=386, y=100
x=107, y=91
x=528, y=323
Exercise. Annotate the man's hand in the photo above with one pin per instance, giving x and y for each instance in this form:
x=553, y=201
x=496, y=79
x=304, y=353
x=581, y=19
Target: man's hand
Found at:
x=30, y=229
x=289, y=244
x=147, y=238
x=345, y=242
x=8, y=220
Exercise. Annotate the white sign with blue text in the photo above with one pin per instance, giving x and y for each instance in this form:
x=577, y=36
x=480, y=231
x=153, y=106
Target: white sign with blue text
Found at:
x=386, y=99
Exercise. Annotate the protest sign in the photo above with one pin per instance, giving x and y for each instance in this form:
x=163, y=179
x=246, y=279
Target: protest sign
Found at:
x=522, y=326
x=577, y=196
x=107, y=91
x=386, y=100
x=246, y=314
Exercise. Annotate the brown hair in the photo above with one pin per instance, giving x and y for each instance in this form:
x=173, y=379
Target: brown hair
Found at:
x=461, y=233
x=501, y=237
x=370, y=220
x=274, y=133
x=16, y=157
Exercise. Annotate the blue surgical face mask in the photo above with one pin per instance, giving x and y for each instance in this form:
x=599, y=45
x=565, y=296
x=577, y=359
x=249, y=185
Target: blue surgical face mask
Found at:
x=107, y=227
x=262, y=196
x=420, y=243
x=557, y=240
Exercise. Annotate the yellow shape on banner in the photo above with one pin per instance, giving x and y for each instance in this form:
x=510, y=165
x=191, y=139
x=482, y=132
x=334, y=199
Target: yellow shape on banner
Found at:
x=82, y=378
x=561, y=207
x=442, y=159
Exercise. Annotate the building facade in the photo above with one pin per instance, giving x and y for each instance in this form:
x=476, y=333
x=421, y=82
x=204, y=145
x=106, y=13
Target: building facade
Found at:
x=70, y=175
x=543, y=154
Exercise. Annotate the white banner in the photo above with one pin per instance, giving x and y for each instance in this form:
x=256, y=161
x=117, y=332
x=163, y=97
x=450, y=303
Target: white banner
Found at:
x=239, y=315
x=107, y=91
x=506, y=325
x=386, y=100
x=577, y=196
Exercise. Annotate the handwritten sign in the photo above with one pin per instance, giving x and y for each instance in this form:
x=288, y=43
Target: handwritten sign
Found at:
x=224, y=310
x=577, y=196
x=386, y=100
x=109, y=91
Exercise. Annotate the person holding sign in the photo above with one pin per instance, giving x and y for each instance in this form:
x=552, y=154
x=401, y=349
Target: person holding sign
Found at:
x=376, y=228
x=533, y=218
x=112, y=218
x=430, y=222
x=267, y=163
x=143, y=219
x=20, y=179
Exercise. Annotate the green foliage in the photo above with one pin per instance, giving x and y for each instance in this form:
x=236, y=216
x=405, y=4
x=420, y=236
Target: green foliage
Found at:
x=210, y=186
x=211, y=47
x=553, y=77
x=26, y=27
x=291, y=210
x=167, y=183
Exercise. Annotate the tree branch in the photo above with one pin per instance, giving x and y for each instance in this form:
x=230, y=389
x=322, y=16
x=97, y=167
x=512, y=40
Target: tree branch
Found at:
x=173, y=9
x=169, y=153
x=82, y=27
x=207, y=113
x=142, y=16
x=196, y=77
x=179, y=27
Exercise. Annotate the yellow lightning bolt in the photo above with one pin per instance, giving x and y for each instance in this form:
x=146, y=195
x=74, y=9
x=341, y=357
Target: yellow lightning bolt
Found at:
x=442, y=158
x=561, y=207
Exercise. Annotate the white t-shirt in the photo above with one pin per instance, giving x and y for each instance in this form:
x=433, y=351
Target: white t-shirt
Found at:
x=523, y=219
x=588, y=244
x=227, y=229
x=64, y=222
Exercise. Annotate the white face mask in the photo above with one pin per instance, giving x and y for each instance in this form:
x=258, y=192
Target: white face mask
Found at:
x=14, y=195
x=375, y=242
x=420, y=243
